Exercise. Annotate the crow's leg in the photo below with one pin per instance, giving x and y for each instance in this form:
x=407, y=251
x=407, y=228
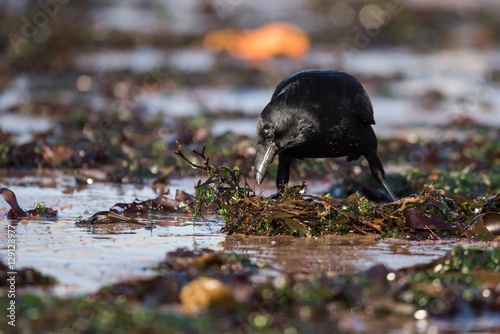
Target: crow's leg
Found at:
x=378, y=173
x=283, y=171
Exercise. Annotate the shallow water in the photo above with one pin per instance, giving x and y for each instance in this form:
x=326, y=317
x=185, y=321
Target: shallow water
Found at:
x=342, y=254
x=86, y=258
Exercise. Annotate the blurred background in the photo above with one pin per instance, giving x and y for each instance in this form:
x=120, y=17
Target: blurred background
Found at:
x=111, y=85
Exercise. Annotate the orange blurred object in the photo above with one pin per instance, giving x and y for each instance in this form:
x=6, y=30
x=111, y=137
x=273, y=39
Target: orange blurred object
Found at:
x=270, y=40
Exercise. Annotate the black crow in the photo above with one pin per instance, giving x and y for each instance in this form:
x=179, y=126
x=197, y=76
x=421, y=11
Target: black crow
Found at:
x=317, y=114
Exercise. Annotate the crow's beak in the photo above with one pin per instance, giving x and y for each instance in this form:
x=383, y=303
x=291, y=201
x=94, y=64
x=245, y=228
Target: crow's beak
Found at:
x=265, y=156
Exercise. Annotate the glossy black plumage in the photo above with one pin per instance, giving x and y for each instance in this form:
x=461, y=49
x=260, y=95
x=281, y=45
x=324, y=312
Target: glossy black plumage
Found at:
x=317, y=114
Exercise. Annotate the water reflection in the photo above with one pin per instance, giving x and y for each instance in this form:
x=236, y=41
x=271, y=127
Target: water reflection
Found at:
x=341, y=254
x=85, y=258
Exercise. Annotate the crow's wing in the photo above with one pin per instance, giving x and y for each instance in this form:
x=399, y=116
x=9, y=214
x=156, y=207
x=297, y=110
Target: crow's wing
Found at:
x=362, y=108
x=350, y=92
x=285, y=85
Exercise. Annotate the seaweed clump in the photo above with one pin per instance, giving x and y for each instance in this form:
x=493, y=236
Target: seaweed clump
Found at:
x=429, y=215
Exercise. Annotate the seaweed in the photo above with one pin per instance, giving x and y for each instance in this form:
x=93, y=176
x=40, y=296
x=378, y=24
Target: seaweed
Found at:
x=223, y=188
x=17, y=212
x=428, y=215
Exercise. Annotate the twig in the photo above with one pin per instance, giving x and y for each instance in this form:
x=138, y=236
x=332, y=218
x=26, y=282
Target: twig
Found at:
x=434, y=234
x=195, y=165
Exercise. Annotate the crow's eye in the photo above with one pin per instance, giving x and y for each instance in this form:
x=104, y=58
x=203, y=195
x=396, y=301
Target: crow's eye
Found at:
x=270, y=135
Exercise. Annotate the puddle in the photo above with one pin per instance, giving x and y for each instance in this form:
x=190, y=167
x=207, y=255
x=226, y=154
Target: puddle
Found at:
x=341, y=254
x=241, y=126
x=155, y=17
x=86, y=258
x=25, y=127
x=192, y=102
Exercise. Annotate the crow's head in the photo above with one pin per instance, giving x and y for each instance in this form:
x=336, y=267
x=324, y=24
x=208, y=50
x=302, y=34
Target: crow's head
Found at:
x=279, y=129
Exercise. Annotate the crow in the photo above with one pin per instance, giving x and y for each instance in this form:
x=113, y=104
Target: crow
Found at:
x=317, y=114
